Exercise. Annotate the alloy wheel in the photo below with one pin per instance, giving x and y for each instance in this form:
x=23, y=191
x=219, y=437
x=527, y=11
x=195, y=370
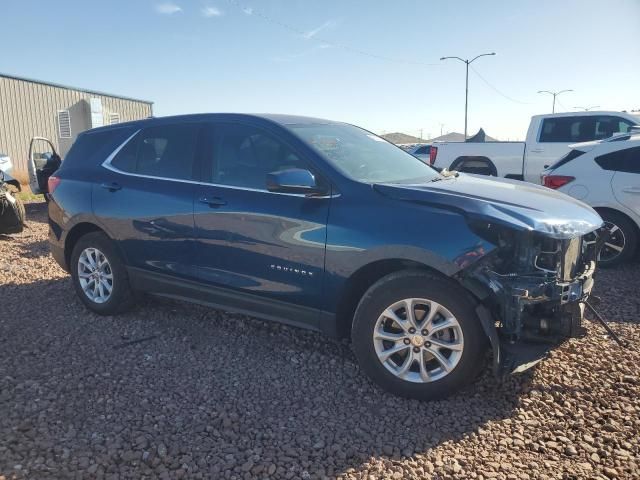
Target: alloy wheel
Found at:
x=95, y=275
x=418, y=340
x=614, y=245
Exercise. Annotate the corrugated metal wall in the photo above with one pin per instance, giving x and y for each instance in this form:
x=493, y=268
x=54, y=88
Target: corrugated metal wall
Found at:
x=29, y=109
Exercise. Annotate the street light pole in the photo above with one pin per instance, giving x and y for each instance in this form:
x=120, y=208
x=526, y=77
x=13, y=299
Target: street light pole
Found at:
x=466, y=85
x=555, y=94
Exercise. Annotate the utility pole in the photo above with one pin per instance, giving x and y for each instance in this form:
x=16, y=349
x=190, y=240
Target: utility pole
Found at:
x=466, y=91
x=421, y=134
x=441, y=127
x=555, y=94
x=586, y=109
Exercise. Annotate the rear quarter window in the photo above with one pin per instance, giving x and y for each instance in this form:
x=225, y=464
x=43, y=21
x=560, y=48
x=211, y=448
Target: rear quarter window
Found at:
x=92, y=148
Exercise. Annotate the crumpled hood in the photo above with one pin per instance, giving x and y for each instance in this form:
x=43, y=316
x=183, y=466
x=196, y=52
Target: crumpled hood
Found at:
x=520, y=205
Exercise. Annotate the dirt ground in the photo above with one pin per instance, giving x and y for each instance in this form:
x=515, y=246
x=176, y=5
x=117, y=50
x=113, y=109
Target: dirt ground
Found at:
x=173, y=390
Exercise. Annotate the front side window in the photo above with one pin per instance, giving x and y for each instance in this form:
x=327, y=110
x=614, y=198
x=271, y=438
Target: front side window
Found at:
x=166, y=151
x=243, y=156
x=363, y=156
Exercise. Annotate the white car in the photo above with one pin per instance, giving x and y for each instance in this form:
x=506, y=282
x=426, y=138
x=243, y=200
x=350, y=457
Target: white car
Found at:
x=6, y=167
x=548, y=139
x=606, y=175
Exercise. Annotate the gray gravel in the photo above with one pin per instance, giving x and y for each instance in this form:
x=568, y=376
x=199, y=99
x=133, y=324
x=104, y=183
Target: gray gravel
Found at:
x=174, y=390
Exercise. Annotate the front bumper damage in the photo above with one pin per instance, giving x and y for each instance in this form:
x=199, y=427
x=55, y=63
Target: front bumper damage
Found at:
x=532, y=291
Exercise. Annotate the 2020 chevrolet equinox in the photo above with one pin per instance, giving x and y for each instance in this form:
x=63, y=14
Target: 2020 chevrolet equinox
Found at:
x=327, y=226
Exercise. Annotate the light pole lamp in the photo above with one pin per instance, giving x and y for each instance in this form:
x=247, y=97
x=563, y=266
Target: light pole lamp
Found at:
x=466, y=91
x=555, y=94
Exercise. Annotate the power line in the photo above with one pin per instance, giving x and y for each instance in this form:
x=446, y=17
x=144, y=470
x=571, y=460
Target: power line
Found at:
x=496, y=90
x=252, y=11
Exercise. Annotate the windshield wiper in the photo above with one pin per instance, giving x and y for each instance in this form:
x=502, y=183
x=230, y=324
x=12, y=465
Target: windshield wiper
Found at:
x=445, y=175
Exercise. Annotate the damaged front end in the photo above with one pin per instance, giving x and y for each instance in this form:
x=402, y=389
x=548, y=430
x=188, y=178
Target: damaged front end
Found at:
x=532, y=290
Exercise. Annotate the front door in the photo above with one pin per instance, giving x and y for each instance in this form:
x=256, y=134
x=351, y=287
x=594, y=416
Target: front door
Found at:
x=144, y=198
x=249, y=240
x=42, y=163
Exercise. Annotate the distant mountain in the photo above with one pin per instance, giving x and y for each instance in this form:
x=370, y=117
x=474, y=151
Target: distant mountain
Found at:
x=399, y=138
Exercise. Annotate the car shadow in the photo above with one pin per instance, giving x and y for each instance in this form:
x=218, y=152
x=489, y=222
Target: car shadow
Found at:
x=226, y=382
x=36, y=211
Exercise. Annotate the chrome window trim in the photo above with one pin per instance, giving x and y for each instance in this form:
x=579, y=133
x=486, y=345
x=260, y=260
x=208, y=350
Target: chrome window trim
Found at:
x=107, y=164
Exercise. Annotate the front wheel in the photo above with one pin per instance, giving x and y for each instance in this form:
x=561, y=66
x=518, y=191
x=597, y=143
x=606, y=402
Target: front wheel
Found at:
x=417, y=335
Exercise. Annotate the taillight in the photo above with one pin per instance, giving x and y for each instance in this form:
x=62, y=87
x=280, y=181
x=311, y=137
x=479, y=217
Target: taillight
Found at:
x=52, y=183
x=556, y=181
x=433, y=152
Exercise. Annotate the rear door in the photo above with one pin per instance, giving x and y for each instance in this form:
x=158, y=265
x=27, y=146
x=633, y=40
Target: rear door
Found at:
x=143, y=196
x=626, y=180
x=268, y=245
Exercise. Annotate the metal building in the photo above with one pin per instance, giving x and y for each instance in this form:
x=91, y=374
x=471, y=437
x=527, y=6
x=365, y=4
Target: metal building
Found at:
x=30, y=108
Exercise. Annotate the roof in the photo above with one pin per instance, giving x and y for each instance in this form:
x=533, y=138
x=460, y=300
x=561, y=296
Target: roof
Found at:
x=68, y=87
x=284, y=120
x=590, y=113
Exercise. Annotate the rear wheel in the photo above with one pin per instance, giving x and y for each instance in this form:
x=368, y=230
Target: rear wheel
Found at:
x=622, y=242
x=417, y=335
x=477, y=165
x=99, y=275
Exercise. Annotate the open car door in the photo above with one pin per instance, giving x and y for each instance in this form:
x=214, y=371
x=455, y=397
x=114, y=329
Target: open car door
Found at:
x=43, y=161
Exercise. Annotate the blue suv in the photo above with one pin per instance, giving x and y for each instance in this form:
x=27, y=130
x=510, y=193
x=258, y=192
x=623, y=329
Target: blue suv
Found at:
x=327, y=226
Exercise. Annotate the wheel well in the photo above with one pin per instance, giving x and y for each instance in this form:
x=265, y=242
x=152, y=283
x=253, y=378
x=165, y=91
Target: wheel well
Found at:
x=77, y=232
x=618, y=212
x=361, y=281
x=485, y=165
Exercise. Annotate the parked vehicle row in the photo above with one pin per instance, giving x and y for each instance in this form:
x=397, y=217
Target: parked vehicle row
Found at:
x=548, y=139
x=326, y=226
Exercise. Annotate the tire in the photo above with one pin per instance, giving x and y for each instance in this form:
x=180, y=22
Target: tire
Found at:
x=121, y=297
x=387, y=293
x=22, y=214
x=625, y=231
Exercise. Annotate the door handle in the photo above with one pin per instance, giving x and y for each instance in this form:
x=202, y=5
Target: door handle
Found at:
x=112, y=187
x=631, y=189
x=212, y=201
x=536, y=150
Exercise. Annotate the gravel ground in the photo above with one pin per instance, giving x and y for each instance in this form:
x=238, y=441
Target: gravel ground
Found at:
x=173, y=390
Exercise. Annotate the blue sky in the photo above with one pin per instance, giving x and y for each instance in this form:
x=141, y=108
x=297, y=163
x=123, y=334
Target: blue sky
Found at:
x=372, y=63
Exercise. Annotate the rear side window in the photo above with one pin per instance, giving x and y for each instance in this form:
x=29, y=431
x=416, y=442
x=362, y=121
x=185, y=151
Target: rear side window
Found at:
x=166, y=151
x=627, y=160
x=581, y=129
x=423, y=150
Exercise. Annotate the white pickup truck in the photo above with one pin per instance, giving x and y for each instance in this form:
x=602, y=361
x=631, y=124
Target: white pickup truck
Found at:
x=548, y=139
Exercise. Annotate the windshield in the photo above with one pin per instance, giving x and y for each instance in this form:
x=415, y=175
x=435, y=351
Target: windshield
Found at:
x=363, y=156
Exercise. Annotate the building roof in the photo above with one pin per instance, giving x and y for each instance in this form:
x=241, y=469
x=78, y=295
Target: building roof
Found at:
x=68, y=87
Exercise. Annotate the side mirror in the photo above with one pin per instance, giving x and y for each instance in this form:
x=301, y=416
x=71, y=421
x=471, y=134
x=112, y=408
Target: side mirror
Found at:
x=293, y=180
